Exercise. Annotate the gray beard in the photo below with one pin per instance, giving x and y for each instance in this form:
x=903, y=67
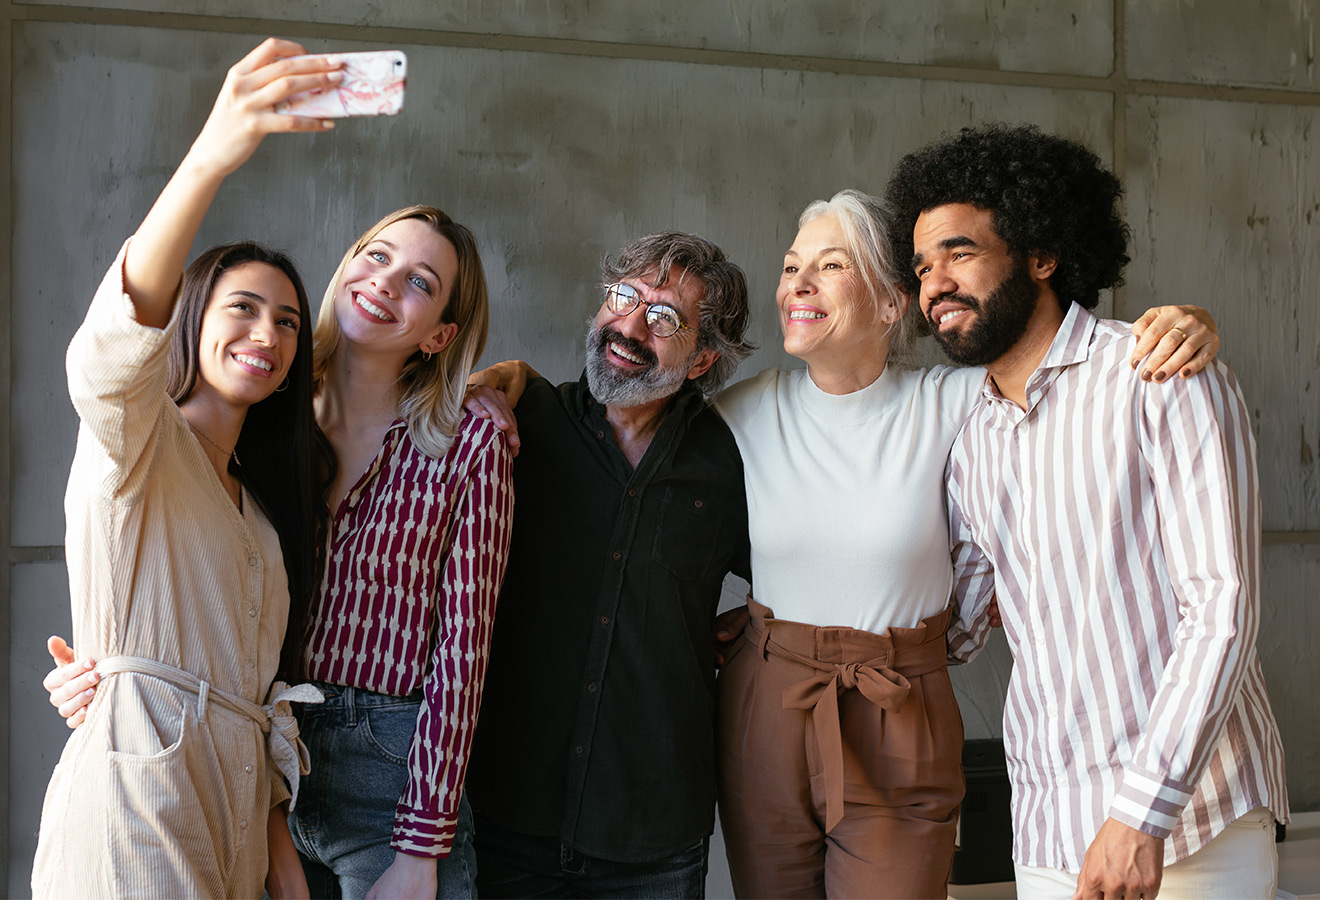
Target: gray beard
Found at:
x=613, y=387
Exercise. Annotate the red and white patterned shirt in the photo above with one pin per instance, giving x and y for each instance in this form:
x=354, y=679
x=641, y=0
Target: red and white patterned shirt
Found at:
x=1118, y=523
x=414, y=564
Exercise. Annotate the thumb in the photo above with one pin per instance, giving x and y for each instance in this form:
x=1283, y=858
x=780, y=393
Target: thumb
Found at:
x=59, y=651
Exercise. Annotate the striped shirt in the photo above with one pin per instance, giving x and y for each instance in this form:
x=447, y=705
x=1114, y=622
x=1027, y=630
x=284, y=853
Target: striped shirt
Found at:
x=414, y=564
x=1118, y=522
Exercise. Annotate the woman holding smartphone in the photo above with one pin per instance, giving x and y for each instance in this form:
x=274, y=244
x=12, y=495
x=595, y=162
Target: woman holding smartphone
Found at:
x=421, y=512
x=192, y=507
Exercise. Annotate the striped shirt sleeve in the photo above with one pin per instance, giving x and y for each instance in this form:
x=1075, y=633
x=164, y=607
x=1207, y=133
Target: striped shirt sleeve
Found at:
x=427, y=814
x=1197, y=445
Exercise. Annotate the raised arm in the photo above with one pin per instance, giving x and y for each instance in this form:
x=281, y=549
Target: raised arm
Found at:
x=243, y=114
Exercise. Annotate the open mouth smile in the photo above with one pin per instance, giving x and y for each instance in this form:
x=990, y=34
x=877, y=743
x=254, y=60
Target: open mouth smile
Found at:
x=371, y=309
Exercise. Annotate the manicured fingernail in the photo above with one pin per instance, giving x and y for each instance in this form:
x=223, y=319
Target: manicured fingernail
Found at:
x=88, y=664
x=1134, y=362
x=1186, y=373
x=1160, y=376
x=1145, y=376
x=334, y=59
x=327, y=124
x=88, y=693
x=336, y=77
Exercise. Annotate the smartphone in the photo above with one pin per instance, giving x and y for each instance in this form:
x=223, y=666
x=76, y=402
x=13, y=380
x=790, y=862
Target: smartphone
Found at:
x=373, y=86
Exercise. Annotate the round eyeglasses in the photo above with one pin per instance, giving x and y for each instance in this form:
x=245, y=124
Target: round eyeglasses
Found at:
x=662, y=319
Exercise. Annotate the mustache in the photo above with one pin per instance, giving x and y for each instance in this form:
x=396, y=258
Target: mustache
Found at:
x=966, y=300
x=608, y=335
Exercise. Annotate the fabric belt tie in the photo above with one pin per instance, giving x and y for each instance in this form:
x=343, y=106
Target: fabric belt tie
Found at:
x=879, y=680
x=283, y=745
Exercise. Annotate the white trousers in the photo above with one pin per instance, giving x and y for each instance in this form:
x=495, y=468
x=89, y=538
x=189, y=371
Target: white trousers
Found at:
x=1241, y=863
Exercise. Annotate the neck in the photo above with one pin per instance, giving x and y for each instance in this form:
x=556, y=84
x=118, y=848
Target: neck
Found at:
x=634, y=426
x=218, y=423
x=835, y=376
x=1012, y=370
x=359, y=390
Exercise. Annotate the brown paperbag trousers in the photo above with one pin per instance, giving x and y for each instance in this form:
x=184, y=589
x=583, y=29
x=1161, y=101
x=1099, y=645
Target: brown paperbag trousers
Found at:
x=840, y=760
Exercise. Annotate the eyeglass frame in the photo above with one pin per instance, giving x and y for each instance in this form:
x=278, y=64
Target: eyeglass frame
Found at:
x=617, y=289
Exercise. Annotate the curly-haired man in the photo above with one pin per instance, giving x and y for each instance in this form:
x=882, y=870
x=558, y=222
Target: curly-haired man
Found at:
x=1118, y=526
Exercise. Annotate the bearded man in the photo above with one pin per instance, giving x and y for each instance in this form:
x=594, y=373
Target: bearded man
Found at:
x=593, y=769
x=1117, y=524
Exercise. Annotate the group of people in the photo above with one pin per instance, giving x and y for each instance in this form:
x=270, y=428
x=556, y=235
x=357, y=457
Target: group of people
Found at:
x=256, y=503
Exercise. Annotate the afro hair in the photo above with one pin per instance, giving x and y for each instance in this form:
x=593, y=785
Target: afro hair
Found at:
x=1046, y=194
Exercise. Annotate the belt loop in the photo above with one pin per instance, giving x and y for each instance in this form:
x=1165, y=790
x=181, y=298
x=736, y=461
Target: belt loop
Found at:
x=350, y=706
x=203, y=699
x=763, y=639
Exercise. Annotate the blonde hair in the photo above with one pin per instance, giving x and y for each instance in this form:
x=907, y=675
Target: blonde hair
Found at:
x=430, y=390
x=866, y=224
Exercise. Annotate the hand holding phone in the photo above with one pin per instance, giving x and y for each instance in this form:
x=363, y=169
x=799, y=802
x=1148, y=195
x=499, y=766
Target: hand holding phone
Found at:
x=373, y=85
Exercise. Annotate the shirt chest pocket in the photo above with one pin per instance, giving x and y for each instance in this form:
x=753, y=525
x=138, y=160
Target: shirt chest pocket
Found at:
x=689, y=535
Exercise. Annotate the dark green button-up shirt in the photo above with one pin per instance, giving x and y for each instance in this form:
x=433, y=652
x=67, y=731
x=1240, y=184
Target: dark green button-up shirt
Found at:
x=597, y=724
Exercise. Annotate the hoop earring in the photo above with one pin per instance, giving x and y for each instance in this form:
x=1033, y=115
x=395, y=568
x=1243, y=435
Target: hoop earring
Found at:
x=284, y=386
x=426, y=357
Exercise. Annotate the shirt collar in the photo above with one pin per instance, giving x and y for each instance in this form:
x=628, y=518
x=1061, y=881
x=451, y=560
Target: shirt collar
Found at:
x=1071, y=345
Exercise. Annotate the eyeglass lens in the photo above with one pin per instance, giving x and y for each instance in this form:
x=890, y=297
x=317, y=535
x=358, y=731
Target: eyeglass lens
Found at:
x=663, y=320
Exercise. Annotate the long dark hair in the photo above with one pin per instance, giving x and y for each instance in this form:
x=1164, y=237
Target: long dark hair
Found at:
x=286, y=462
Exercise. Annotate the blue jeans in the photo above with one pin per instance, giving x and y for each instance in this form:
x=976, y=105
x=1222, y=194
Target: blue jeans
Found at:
x=359, y=741
x=525, y=865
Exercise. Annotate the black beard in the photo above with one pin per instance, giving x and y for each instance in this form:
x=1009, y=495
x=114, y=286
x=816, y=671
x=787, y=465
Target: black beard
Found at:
x=1001, y=320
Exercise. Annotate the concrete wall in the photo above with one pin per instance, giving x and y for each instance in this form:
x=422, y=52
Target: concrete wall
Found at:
x=559, y=128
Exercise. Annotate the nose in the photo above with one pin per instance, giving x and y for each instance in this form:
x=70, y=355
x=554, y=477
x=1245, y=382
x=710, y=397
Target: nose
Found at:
x=803, y=282
x=936, y=283
x=633, y=325
x=265, y=331
x=386, y=281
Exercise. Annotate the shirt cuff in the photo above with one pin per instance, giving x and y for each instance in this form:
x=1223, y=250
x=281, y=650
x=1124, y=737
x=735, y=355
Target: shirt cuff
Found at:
x=279, y=791
x=1149, y=804
x=419, y=833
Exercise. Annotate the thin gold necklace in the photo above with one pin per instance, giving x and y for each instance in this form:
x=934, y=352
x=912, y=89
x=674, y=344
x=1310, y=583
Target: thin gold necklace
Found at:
x=232, y=454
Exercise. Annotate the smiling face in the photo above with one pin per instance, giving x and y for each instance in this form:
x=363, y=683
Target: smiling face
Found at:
x=629, y=366
x=828, y=318
x=249, y=335
x=392, y=296
x=978, y=299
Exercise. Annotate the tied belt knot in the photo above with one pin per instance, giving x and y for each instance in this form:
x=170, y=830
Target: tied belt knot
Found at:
x=883, y=680
x=285, y=748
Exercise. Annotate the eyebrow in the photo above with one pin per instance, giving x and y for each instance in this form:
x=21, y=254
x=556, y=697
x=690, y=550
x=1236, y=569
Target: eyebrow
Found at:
x=422, y=264
x=946, y=244
x=260, y=299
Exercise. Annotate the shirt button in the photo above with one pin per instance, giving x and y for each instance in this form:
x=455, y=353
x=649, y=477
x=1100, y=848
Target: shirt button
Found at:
x=251, y=664
x=632, y=492
x=247, y=769
x=252, y=613
x=600, y=435
x=591, y=688
x=578, y=750
x=604, y=620
x=243, y=824
x=252, y=561
x=617, y=555
x=699, y=504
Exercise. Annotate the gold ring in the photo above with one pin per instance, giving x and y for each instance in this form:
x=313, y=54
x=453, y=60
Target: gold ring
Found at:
x=1180, y=331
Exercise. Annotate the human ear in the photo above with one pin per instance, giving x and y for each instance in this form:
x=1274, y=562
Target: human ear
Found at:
x=1041, y=265
x=705, y=359
x=442, y=338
